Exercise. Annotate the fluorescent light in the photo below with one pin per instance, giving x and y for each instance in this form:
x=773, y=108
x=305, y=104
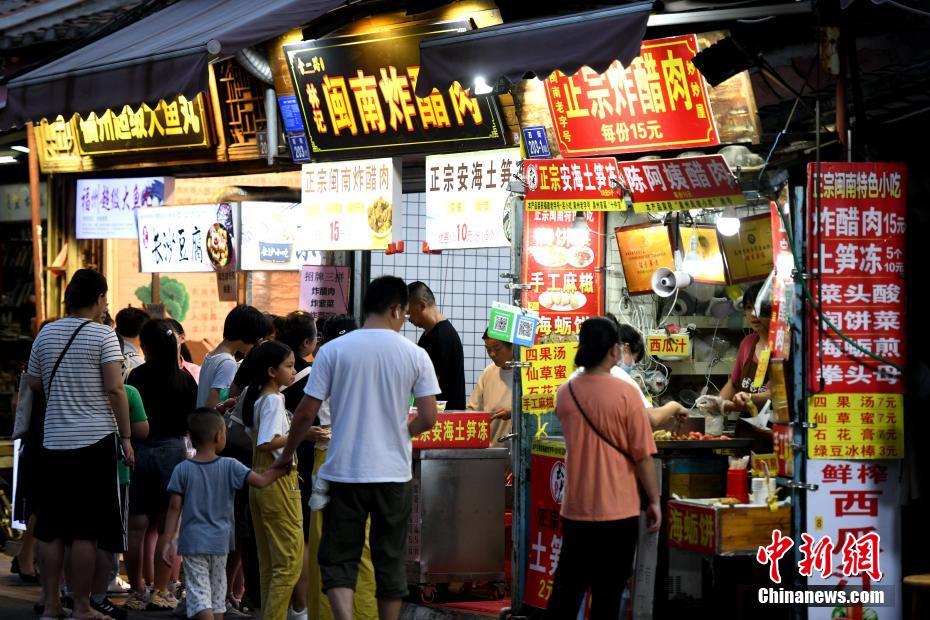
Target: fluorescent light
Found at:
x=20, y=148
x=481, y=86
x=7, y=159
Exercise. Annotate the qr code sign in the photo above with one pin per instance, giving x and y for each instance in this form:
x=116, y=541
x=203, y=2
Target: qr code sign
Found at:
x=525, y=330
x=502, y=323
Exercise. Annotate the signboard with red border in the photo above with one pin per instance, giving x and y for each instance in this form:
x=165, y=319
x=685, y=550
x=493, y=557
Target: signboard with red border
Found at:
x=456, y=430
x=547, y=485
x=692, y=527
x=572, y=185
x=704, y=182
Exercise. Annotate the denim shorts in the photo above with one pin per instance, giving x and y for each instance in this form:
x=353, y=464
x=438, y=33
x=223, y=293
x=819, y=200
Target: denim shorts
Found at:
x=155, y=462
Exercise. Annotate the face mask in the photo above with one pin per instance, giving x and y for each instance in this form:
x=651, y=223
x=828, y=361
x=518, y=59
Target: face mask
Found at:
x=626, y=367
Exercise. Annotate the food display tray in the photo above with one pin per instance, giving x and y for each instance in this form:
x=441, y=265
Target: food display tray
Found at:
x=704, y=444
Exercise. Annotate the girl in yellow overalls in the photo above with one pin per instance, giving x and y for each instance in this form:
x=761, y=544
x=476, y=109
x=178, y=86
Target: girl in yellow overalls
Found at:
x=276, y=513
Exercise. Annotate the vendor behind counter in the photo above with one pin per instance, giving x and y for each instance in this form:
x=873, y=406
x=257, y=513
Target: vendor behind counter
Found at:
x=494, y=389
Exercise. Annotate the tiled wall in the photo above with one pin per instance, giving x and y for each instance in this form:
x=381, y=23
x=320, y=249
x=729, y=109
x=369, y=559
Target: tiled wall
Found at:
x=465, y=283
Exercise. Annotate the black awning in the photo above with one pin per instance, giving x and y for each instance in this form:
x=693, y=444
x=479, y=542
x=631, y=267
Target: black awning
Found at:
x=159, y=57
x=534, y=48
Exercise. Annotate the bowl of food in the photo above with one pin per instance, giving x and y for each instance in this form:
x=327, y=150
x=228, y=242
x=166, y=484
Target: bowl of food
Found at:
x=380, y=217
x=219, y=246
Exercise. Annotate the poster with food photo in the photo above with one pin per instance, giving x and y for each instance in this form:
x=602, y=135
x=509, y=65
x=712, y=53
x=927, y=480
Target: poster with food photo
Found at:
x=188, y=239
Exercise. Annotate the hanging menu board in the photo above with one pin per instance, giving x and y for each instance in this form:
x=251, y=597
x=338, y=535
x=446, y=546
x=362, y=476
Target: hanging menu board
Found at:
x=188, y=239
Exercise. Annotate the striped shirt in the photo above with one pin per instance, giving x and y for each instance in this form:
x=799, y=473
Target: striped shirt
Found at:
x=78, y=413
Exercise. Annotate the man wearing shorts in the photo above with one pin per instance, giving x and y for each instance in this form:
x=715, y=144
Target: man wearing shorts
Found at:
x=368, y=376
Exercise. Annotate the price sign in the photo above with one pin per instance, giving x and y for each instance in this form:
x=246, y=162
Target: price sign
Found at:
x=354, y=205
x=466, y=196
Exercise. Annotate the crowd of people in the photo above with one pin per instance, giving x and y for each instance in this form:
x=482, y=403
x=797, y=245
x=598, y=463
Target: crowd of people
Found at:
x=202, y=470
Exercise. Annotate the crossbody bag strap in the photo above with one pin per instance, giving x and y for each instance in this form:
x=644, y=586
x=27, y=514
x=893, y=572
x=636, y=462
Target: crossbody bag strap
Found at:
x=48, y=397
x=596, y=430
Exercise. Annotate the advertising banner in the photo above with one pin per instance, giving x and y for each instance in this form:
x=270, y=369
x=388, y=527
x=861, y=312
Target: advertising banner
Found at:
x=643, y=249
x=466, y=196
x=659, y=102
x=550, y=365
x=351, y=205
x=16, y=204
x=456, y=430
x=572, y=185
x=324, y=289
x=680, y=184
x=275, y=237
x=193, y=238
x=106, y=208
x=547, y=485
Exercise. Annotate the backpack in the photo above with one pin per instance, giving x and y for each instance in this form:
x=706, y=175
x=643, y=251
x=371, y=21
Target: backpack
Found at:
x=236, y=435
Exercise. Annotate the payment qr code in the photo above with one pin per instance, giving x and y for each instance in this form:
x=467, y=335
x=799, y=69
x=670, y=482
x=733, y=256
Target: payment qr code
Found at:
x=502, y=323
x=525, y=330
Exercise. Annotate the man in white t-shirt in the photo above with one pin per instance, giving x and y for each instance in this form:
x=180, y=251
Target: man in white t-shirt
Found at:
x=368, y=376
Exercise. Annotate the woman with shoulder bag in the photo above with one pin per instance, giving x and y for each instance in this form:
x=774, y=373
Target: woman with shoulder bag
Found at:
x=609, y=448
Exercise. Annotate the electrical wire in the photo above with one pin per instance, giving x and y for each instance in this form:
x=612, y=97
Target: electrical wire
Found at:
x=904, y=7
x=671, y=308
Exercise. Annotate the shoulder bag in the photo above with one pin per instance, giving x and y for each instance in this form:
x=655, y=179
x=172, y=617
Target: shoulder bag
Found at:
x=643, y=498
x=236, y=434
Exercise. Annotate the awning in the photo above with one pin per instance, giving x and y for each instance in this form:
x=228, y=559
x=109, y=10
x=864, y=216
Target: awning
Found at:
x=534, y=48
x=158, y=57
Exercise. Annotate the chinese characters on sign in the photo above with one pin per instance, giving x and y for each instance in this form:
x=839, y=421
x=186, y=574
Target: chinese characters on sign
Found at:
x=188, y=239
x=547, y=485
x=782, y=286
x=550, y=365
x=351, y=205
x=856, y=426
x=324, y=289
x=675, y=345
x=704, y=182
x=356, y=95
x=561, y=267
x=692, y=527
x=106, y=208
x=572, y=185
x=456, y=430
x=535, y=142
x=643, y=249
x=465, y=199
x=16, y=204
x=178, y=124
x=274, y=237
x=659, y=102
x=856, y=507
x=857, y=227
x=748, y=253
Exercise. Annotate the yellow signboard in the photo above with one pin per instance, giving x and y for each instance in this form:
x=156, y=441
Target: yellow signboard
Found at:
x=748, y=253
x=57, y=147
x=663, y=345
x=550, y=365
x=643, y=249
x=180, y=123
x=856, y=426
x=707, y=266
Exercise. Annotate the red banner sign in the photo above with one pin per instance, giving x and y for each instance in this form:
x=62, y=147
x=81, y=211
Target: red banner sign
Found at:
x=456, y=430
x=560, y=264
x=677, y=184
x=572, y=185
x=782, y=439
x=659, y=102
x=782, y=287
x=692, y=527
x=547, y=484
x=857, y=230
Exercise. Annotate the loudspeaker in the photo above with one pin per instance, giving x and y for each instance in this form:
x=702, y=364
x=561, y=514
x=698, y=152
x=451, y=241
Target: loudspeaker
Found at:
x=665, y=281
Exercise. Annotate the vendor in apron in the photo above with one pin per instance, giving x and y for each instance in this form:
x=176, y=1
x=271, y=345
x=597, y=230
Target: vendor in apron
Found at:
x=747, y=390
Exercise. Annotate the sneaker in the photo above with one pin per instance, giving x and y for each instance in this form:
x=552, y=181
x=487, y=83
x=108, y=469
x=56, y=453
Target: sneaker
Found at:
x=118, y=586
x=162, y=601
x=296, y=615
x=107, y=608
x=137, y=601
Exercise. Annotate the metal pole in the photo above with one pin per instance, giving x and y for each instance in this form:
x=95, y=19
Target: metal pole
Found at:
x=38, y=266
x=523, y=445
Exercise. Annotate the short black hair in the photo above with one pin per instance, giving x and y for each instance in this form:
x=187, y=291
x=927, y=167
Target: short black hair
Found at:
x=384, y=292
x=175, y=325
x=595, y=338
x=338, y=325
x=750, y=297
x=84, y=289
x=297, y=327
x=129, y=321
x=485, y=336
x=419, y=290
x=203, y=424
x=246, y=323
x=631, y=336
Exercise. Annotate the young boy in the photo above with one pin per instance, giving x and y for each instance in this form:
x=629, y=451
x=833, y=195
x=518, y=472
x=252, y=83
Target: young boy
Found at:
x=244, y=327
x=202, y=492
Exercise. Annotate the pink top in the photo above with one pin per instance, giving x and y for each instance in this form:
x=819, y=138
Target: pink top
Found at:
x=192, y=368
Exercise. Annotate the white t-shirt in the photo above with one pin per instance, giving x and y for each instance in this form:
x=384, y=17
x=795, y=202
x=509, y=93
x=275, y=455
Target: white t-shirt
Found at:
x=368, y=376
x=273, y=420
x=623, y=375
x=217, y=371
x=78, y=413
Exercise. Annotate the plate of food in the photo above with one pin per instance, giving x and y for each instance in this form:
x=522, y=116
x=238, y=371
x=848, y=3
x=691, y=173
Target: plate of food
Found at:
x=562, y=301
x=219, y=248
x=380, y=215
x=580, y=256
x=549, y=255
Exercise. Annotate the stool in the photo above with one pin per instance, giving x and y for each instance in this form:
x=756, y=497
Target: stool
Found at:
x=920, y=584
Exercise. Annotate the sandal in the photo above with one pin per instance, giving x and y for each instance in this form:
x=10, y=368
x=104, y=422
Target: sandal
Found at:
x=24, y=577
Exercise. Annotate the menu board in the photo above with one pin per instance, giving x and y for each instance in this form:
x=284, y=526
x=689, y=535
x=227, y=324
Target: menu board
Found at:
x=856, y=426
x=704, y=182
x=324, y=289
x=274, y=237
x=351, y=205
x=106, y=208
x=659, y=102
x=574, y=185
x=188, y=239
x=549, y=366
x=561, y=266
x=643, y=249
x=466, y=196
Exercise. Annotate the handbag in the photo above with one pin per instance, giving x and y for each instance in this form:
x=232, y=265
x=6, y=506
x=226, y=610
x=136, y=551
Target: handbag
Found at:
x=236, y=435
x=643, y=497
x=24, y=406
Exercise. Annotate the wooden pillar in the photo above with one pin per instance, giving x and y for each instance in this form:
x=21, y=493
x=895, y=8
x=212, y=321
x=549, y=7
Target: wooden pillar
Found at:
x=38, y=265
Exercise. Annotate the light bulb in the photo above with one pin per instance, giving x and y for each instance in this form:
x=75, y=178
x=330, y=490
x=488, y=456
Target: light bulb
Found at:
x=692, y=262
x=727, y=222
x=482, y=87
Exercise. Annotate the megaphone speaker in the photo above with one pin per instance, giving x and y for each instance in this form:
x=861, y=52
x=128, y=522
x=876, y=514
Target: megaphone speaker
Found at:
x=665, y=281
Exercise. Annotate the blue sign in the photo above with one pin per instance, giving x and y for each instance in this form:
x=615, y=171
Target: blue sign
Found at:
x=536, y=143
x=300, y=150
x=290, y=112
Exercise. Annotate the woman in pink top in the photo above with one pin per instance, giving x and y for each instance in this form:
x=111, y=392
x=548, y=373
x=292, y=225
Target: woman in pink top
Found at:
x=609, y=447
